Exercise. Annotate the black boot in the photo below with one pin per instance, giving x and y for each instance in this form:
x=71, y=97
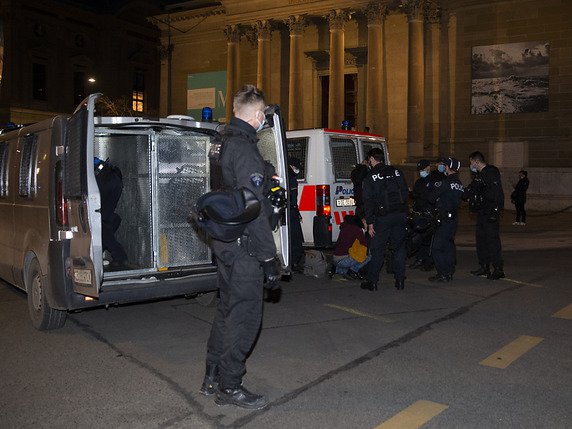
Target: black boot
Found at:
x=441, y=278
x=210, y=383
x=483, y=270
x=240, y=397
x=367, y=285
x=399, y=284
x=498, y=273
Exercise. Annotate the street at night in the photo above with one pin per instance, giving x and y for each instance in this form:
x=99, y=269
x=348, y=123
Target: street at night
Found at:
x=472, y=353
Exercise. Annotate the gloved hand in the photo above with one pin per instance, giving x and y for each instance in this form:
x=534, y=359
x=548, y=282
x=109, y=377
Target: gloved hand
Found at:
x=271, y=274
x=494, y=215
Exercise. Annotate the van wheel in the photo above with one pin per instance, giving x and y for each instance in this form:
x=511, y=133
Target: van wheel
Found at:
x=208, y=299
x=43, y=316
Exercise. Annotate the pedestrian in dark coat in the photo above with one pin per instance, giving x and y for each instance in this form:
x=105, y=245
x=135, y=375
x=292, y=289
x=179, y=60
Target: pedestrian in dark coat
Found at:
x=518, y=198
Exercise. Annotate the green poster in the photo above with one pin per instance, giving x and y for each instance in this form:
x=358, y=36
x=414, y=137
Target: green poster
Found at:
x=207, y=90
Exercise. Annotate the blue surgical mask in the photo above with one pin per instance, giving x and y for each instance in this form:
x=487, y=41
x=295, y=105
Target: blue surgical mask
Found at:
x=424, y=174
x=261, y=123
x=441, y=168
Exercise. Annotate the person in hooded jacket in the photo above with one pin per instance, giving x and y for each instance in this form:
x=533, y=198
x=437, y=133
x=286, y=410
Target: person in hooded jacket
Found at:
x=518, y=198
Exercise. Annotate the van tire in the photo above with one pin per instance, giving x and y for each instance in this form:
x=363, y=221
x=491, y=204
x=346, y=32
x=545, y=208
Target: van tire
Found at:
x=43, y=316
x=208, y=299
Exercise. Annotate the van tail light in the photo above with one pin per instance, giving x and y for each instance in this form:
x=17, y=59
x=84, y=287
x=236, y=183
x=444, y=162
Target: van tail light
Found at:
x=323, y=207
x=61, y=202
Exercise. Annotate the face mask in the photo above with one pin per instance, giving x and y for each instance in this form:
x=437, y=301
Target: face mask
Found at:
x=441, y=168
x=295, y=170
x=423, y=174
x=473, y=168
x=261, y=123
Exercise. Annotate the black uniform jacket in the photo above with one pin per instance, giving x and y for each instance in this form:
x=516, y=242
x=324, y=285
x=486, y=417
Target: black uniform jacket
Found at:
x=520, y=190
x=243, y=166
x=447, y=194
x=493, y=195
x=378, y=192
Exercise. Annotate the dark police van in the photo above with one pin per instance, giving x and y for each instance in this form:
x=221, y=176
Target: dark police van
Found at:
x=50, y=221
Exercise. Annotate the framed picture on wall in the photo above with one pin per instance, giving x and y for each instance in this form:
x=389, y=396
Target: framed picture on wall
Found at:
x=510, y=78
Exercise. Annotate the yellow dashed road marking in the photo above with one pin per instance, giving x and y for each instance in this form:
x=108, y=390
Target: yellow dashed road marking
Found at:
x=511, y=352
x=518, y=282
x=565, y=313
x=359, y=313
x=414, y=416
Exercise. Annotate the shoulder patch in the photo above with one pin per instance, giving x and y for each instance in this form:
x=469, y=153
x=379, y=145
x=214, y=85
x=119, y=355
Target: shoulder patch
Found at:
x=437, y=184
x=257, y=179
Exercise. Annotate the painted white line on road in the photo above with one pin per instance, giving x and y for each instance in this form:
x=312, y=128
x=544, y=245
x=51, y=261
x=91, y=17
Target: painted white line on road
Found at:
x=511, y=352
x=518, y=282
x=359, y=313
x=565, y=313
x=414, y=416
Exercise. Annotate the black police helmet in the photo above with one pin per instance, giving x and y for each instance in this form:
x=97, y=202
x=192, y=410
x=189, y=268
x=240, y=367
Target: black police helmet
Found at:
x=224, y=214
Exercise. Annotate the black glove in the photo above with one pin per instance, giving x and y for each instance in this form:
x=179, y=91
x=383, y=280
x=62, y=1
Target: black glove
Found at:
x=271, y=274
x=494, y=215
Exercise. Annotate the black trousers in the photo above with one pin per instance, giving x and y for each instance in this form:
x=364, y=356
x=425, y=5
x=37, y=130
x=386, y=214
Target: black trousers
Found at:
x=520, y=212
x=443, y=249
x=296, y=238
x=389, y=229
x=487, y=237
x=109, y=225
x=238, y=316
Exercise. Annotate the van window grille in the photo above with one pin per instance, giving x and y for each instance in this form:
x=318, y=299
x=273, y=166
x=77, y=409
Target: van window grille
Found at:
x=344, y=157
x=4, y=170
x=28, y=163
x=298, y=148
x=75, y=168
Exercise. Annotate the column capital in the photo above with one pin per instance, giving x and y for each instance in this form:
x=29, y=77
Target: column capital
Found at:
x=232, y=33
x=262, y=29
x=296, y=24
x=413, y=9
x=433, y=13
x=376, y=13
x=338, y=18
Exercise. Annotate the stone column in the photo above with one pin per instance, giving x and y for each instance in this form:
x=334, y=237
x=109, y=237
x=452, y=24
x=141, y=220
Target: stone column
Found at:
x=337, y=19
x=263, y=30
x=415, y=80
x=374, y=111
x=232, y=33
x=295, y=96
x=452, y=43
x=433, y=18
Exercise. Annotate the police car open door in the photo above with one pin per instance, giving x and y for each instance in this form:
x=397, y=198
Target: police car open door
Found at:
x=85, y=262
x=272, y=147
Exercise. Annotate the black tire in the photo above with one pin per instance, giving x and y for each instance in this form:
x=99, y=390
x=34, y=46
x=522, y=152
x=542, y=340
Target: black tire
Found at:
x=208, y=299
x=43, y=316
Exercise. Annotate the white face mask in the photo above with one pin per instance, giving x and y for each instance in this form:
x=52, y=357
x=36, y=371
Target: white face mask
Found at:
x=423, y=174
x=258, y=120
x=295, y=170
x=473, y=168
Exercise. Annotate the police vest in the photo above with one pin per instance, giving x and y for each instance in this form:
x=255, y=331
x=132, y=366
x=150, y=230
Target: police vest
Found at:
x=389, y=191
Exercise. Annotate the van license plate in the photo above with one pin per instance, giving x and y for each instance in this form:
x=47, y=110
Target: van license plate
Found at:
x=345, y=202
x=82, y=276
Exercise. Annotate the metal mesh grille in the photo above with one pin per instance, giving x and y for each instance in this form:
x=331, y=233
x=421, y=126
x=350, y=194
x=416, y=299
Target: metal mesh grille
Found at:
x=131, y=154
x=75, y=175
x=182, y=179
x=298, y=148
x=369, y=145
x=344, y=157
x=27, y=182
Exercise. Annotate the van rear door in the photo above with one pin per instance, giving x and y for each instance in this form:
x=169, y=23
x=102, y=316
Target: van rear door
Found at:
x=85, y=263
x=272, y=147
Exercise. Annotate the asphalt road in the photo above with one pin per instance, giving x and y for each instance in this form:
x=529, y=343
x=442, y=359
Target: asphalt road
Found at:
x=329, y=356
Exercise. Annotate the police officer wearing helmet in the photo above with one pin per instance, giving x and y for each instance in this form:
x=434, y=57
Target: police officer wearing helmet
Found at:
x=447, y=196
x=243, y=264
x=385, y=196
x=487, y=187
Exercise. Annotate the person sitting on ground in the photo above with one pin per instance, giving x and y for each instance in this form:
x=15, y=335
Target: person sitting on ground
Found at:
x=350, y=252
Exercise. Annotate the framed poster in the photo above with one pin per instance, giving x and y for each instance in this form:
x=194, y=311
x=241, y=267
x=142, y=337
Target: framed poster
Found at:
x=207, y=90
x=510, y=78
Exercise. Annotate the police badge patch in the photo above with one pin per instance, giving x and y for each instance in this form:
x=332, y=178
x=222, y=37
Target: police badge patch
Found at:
x=257, y=179
x=437, y=184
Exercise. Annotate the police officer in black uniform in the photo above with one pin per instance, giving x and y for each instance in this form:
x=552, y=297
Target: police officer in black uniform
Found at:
x=447, y=196
x=243, y=264
x=486, y=190
x=385, y=204
x=110, y=183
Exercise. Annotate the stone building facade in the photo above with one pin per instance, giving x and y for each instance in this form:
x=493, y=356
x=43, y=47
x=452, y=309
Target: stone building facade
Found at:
x=404, y=69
